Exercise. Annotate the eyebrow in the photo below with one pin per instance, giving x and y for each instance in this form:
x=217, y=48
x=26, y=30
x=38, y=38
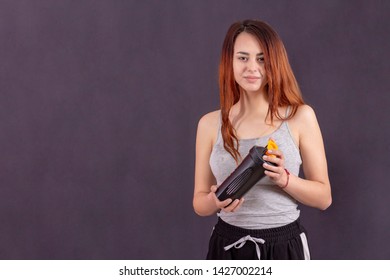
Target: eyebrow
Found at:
x=245, y=53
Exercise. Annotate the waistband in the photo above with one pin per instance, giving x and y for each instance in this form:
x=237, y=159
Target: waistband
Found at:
x=285, y=232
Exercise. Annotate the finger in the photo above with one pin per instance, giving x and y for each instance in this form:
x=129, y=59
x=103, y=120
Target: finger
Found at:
x=223, y=204
x=277, y=153
x=277, y=161
x=214, y=188
x=276, y=169
x=231, y=206
x=239, y=205
x=272, y=175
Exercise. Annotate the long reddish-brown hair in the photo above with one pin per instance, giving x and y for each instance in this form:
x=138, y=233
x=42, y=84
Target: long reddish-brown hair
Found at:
x=281, y=87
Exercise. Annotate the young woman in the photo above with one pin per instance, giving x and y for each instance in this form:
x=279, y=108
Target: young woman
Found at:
x=260, y=99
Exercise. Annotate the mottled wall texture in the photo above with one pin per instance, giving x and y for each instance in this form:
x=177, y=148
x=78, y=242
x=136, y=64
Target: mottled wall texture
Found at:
x=99, y=103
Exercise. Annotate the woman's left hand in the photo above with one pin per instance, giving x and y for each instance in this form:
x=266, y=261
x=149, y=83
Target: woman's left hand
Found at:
x=276, y=173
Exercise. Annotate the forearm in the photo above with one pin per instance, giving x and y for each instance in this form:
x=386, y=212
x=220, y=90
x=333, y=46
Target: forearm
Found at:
x=204, y=204
x=310, y=193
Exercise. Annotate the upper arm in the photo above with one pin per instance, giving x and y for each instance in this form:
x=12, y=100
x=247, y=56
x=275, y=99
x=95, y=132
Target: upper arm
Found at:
x=205, y=139
x=311, y=145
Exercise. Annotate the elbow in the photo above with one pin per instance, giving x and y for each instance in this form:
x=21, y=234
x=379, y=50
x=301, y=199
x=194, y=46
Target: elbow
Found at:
x=200, y=211
x=197, y=210
x=326, y=203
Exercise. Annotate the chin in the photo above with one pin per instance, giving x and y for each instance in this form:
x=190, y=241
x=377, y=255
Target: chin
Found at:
x=252, y=89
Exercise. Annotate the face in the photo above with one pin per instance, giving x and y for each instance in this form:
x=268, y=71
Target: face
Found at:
x=248, y=63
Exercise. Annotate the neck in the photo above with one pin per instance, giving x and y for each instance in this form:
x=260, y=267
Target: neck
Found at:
x=253, y=103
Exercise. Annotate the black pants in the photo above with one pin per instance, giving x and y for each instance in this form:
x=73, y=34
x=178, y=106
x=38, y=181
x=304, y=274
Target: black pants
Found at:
x=229, y=242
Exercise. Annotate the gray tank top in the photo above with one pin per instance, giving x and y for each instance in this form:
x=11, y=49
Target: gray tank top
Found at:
x=266, y=205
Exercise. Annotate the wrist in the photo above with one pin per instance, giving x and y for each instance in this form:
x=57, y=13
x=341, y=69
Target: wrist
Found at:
x=287, y=179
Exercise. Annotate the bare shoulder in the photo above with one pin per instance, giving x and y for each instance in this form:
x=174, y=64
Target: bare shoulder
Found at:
x=304, y=118
x=305, y=113
x=208, y=125
x=209, y=120
x=303, y=124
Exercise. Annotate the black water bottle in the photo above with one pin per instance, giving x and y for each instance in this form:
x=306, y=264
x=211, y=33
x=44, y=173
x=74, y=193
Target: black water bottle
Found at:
x=245, y=176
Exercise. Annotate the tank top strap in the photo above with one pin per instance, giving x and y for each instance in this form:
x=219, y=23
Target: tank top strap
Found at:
x=287, y=111
x=284, y=124
x=219, y=135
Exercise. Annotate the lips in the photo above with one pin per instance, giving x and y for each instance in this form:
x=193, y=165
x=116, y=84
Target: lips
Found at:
x=252, y=78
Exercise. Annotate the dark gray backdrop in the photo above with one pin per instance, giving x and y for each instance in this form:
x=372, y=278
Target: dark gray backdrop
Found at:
x=99, y=105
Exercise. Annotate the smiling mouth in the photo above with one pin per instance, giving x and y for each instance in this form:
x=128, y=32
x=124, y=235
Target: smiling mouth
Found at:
x=252, y=79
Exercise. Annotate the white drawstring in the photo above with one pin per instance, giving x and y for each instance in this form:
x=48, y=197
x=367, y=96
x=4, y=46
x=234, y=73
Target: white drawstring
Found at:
x=241, y=242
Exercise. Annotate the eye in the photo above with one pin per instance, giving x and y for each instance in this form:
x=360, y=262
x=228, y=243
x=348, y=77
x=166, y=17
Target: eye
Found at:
x=260, y=59
x=243, y=58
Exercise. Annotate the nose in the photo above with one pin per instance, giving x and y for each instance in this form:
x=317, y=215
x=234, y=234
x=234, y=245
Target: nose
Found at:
x=252, y=65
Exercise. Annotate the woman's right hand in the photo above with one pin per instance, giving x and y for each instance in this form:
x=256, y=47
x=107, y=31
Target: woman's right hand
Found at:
x=223, y=205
